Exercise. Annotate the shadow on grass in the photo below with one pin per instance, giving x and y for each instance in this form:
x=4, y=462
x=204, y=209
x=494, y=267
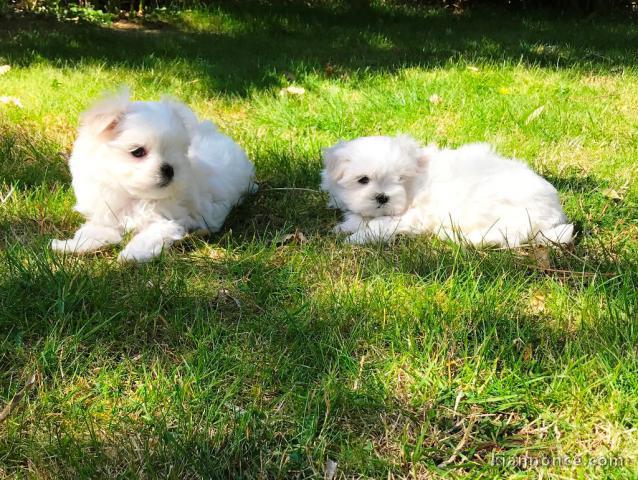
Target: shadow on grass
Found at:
x=30, y=159
x=252, y=46
x=138, y=305
x=292, y=347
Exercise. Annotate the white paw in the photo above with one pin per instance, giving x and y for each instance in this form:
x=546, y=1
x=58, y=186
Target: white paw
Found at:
x=341, y=228
x=366, y=236
x=139, y=255
x=350, y=225
x=75, y=246
x=358, y=238
x=60, y=245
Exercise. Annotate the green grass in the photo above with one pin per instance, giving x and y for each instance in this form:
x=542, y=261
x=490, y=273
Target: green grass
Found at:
x=237, y=356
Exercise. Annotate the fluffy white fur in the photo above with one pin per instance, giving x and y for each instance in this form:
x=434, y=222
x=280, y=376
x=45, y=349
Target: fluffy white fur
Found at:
x=391, y=185
x=186, y=176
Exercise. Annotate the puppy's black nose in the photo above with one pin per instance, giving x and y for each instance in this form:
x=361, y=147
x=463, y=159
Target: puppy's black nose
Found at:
x=167, y=173
x=382, y=198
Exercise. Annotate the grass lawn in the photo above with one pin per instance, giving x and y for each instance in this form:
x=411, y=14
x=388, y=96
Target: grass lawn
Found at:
x=246, y=356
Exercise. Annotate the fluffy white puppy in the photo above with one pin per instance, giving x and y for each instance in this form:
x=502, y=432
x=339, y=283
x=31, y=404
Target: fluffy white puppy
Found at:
x=154, y=169
x=391, y=185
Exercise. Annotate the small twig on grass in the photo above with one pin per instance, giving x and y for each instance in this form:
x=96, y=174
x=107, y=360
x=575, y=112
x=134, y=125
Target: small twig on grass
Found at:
x=330, y=469
x=540, y=255
x=297, y=237
x=573, y=273
x=466, y=436
x=6, y=411
x=5, y=197
x=292, y=189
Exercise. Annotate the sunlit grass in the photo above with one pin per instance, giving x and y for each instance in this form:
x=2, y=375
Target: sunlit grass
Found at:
x=242, y=355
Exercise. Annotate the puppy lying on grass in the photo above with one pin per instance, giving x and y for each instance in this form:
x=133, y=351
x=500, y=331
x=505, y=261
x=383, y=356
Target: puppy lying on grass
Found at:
x=391, y=185
x=155, y=169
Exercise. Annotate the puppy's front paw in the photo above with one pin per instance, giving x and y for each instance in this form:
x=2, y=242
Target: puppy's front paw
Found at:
x=342, y=228
x=60, y=245
x=358, y=238
x=132, y=254
x=350, y=225
x=75, y=246
x=368, y=236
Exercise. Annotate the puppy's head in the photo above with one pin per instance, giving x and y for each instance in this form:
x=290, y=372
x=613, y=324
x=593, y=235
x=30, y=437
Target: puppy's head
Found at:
x=373, y=176
x=141, y=147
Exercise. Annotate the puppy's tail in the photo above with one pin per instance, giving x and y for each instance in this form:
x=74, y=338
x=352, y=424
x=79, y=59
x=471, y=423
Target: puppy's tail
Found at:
x=562, y=234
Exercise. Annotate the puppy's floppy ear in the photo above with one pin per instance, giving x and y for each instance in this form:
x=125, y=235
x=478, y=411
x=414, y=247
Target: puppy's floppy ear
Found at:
x=102, y=118
x=185, y=114
x=335, y=160
x=412, y=149
x=425, y=154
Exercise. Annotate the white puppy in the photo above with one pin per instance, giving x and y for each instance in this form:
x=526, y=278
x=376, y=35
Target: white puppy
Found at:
x=154, y=169
x=390, y=185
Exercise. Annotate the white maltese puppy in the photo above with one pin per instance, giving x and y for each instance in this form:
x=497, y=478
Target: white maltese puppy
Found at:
x=154, y=169
x=391, y=185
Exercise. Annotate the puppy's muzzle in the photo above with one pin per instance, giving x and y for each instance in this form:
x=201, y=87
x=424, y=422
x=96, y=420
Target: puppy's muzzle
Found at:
x=166, y=174
x=382, y=198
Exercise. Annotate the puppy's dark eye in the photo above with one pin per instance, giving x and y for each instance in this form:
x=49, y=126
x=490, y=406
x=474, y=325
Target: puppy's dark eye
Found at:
x=139, y=152
x=363, y=180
